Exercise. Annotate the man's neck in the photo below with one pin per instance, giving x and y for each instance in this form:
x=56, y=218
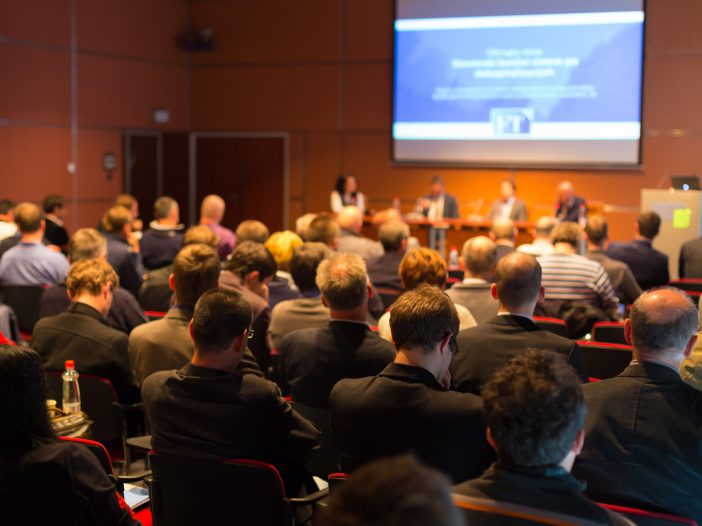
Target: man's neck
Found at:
x=418, y=358
x=592, y=247
x=673, y=362
x=92, y=301
x=165, y=223
x=526, y=312
x=55, y=219
x=564, y=248
x=32, y=237
x=505, y=242
x=359, y=314
x=639, y=237
x=470, y=276
x=217, y=361
x=208, y=221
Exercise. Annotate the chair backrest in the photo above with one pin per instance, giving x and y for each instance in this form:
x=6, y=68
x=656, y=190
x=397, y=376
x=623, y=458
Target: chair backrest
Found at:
x=326, y=459
x=649, y=518
x=688, y=284
x=188, y=491
x=97, y=449
x=554, y=325
x=387, y=296
x=98, y=400
x=609, y=332
x=24, y=300
x=154, y=314
x=335, y=480
x=604, y=360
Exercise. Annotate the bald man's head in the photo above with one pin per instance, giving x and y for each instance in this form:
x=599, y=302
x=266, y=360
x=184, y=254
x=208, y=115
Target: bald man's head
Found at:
x=350, y=218
x=479, y=257
x=661, y=324
x=212, y=208
x=518, y=281
x=565, y=191
x=544, y=226
x=503, y=229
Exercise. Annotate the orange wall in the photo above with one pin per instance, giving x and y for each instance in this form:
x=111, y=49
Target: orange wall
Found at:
x=127, y=64
x=322, y=71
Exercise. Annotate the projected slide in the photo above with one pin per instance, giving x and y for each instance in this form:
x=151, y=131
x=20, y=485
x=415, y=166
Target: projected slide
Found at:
x=546, y=88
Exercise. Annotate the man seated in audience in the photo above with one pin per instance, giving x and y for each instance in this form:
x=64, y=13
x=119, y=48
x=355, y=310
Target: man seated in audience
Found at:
x=123, y=248
x=643, y=445
x=351, y=240
x=302, y=224
x=248, y=271
x=307, y=311
x=163, y=239
x=252, y=230
x=8, y=227
x=690, y=261
x=625, y=286
x=249, y=419
x=211, y=215
x=479, y=259
x=313, y=360
x=542, y=237
x=125, y=312
x=54, y=214
x=281, y=246
x=129, y=202
x=323, y=229
x=30, y=262
x=384, y=271
x=649, y=266
x=503, y=233
x=424, y=265
x=392, y=491
x=572, y=280
x=535, y=414
x=485, y=348
x=569, y=207
x=407, y=406
x=81, y=333
x=165, y=344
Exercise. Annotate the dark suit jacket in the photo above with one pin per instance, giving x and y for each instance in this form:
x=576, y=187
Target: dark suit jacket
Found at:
x=81, y=334
x=690, y=262
x=643, y=441
x=549, y=488
x=405, y=409
x=384, y=271
x=650, y=267
x=570, y=213
x=450, y=206
x=55, y=234
x=485, y=348
x=625, y=285
x=160, y=247
x=127, y=264
x=279, y=289
x=313, y=360
x=199, y=412
x=518, y=212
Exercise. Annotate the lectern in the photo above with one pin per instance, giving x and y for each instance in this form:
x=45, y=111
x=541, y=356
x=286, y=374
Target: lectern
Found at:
x=681, y=220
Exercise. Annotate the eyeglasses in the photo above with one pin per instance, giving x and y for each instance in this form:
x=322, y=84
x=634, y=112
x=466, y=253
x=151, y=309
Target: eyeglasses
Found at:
x=453, y=344
x=249, y=334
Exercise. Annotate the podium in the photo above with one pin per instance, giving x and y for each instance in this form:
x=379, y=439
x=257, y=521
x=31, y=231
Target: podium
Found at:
x=681, y=220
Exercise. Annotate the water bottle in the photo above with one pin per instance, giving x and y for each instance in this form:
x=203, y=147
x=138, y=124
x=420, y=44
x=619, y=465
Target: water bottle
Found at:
x=71, y=391
x=453, y=259
x=396, y=203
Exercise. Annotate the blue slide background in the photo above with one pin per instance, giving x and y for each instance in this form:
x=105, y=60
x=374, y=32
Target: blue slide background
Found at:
x=610, y=60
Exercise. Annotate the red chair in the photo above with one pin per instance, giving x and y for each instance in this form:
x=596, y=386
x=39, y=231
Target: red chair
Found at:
x=604, y=360
x=649, y=518
x=688, y=284
x=554, y=325
x=154, y=314
x=609, y=332
x=336, y=479
x=387, y=296
x=499, y=513
x=24, y=300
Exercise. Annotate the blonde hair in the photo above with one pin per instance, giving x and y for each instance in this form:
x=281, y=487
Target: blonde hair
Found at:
x=115, y=218
x=89, y=276
x=282, y=245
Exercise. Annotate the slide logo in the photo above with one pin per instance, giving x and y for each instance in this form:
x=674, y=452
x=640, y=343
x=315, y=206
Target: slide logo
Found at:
x=511, y=121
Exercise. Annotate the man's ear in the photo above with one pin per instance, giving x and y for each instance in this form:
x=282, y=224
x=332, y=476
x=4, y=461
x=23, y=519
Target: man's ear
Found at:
x=490, y=439
x=324, y=302
x=578, y=443
x=190, y=327
x=171, y=282
x=493, y=291
x=627, y=330
x=542, y=294
x=252, y=277
x=690, y=345
x=370, y=291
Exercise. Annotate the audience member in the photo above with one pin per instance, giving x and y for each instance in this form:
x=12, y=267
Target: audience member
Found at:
x=211, y=215
x=163, y=239
x=535, y=413
x=479, y=259
x=123, y=248
x=569, y=207
x=643, y=445
x=485, y=348
x=45, y=480
x=30, y=262
x=302, y=223
x=541, y=245
x=8, y=227
x=308, y=311
x=625, y=286
x=281, y=246
x=129, y=202
x=323, y=229
x=249, y=419
x=395, y=491
x=690, y=261
x=350, y=220
x=81, y=333
x=503, y=233
x=252, y=230
x=649, y=266
x=424, y=265
x=407, y=406
x=125, y=312
x=508, y=205
x=346, y=193
x=437, y=204
x=54, y=214
x=313, y=360
x=384, y=271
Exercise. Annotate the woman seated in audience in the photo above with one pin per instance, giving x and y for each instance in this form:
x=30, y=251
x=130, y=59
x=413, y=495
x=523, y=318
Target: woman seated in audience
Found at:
x=424, y=265
x=346, y=194
x=281, y=245
x=44, y=480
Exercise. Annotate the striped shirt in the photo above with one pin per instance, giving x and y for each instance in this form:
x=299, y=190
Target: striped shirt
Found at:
x=576, y=278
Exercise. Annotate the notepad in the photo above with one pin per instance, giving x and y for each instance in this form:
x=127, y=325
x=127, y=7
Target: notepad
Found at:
x=135, y=496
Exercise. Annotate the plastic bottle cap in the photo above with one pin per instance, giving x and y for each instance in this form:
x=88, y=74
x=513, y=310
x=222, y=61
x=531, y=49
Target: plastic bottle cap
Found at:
x=70, y=364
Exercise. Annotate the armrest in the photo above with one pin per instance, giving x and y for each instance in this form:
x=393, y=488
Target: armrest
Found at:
x=309, y=499
x=120, y=480
x=129, y=407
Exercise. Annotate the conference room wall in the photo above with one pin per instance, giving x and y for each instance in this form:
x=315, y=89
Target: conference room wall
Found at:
x=321, y=70
x=127, y=65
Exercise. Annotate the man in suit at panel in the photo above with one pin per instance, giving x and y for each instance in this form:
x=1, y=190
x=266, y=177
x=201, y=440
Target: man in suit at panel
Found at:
x=384, y=271
x=407, y=406
x=479, y=258
x=509, y=205
x=485, y=348
x=313, y=360
x=437, y=204
x=569, y=207
x=643, y=432
x=649, y=266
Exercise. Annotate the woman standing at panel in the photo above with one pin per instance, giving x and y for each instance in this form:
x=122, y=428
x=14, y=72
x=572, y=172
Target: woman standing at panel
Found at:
x=346, y=193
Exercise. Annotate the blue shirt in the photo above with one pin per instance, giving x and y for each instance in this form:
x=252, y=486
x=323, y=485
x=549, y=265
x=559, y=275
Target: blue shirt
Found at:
x=32, y=264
